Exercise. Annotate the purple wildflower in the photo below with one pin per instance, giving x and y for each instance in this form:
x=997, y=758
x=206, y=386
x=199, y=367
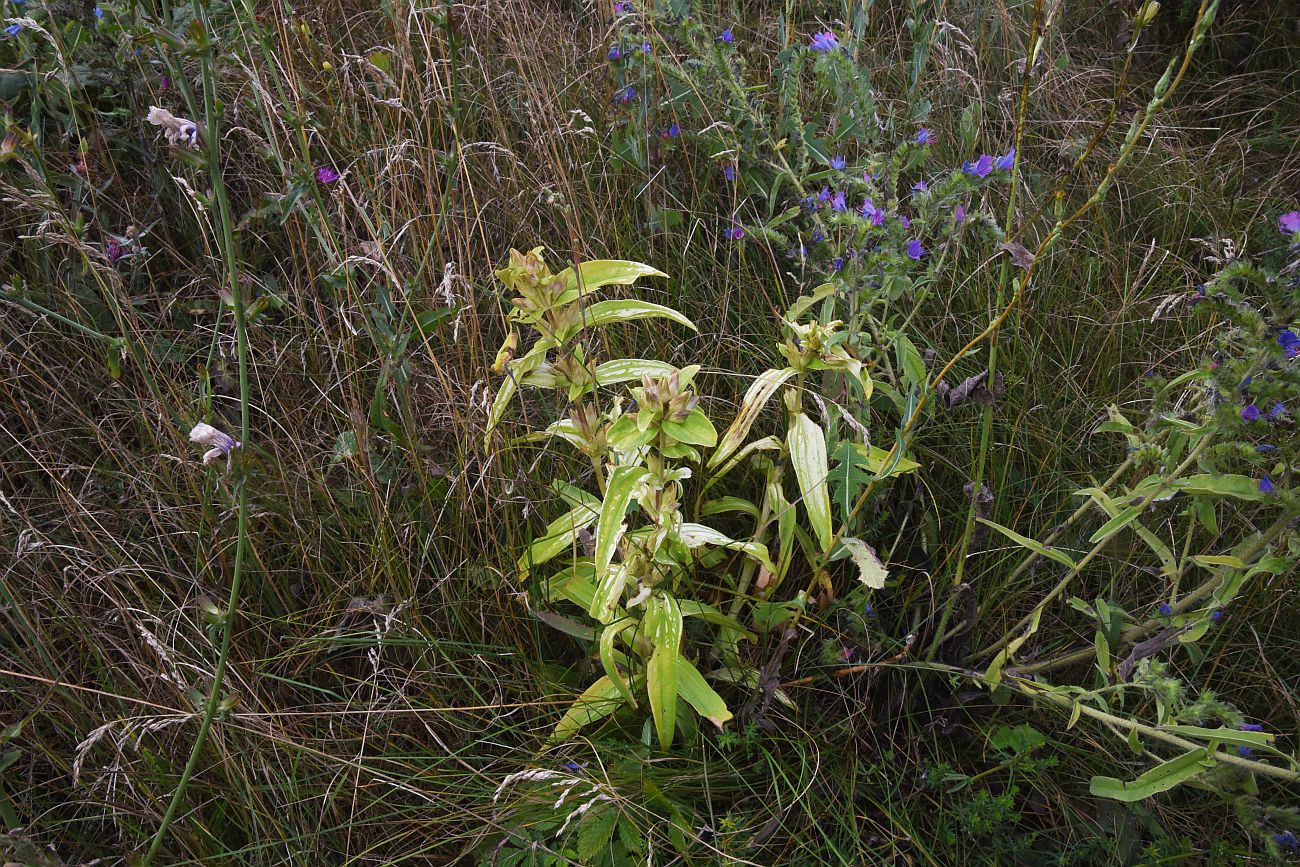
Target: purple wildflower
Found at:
x=113, y=250
x=915, y=250
x=673, y=131
x=1250, y=412
x=1216, y=615
x=220, y=444
x=1265, y=448
x=868, y=209
x=726, y=38
x=920, y=186
x=1266, y=486
x=1289, y=222
x=878, y=218
x=327, y=175
x=837, y=263
x=825, y=42
x=981, y=168
x=735, y=233
x=817, y=236
x=824, y=195
x=729, y=172
x=615, y=53
x=1006, y=161
x=13, y=29
x=1165, y=609
x=1289, y=342
x=165, y=83
x=1287, y=839
x=838, y=205
x=904, y=221
x=1244, y=751
x=922, y=136
x=1276, y=409
x=645, y=47
x=959, y=213
x=837, y=163
x=626, y=95
x=620, y=8
x=1251, y=727
x=571, y=766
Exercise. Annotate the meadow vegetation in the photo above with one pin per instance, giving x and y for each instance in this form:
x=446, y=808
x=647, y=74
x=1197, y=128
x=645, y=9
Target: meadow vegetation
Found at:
x=653, y=432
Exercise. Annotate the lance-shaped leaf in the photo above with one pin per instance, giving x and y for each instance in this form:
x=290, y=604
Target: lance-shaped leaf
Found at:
x=609, y=657
x=871, y=571
x=559, y=537
x=692, y=687
x=623, y=310
x=698, y=535
x=1033, y=545
x=765, y=444
x=598, y=701
x=1161, y=778
x=807, y=445
x=722, y=505
x=663, y=622
x=630, y=369
x=1222, y=485
x=610, y=527
x=590, y=276
x=759, y=393
x=515, y=371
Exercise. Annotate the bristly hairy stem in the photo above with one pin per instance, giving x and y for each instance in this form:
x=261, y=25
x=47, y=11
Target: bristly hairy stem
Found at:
x=230, y=262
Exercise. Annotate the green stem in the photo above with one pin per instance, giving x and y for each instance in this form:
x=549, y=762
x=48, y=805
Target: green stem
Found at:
x=230, y=262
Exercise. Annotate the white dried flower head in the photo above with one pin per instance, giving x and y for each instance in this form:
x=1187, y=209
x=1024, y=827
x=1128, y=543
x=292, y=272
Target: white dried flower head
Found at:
x=177, y=130
x=220, y=445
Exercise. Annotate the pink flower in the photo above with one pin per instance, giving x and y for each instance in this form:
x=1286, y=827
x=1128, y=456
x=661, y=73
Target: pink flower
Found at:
x=1289, y=223
x=327, y=175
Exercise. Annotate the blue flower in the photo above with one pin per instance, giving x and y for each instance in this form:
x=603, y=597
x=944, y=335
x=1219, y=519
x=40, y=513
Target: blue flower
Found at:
x=13, y=29
x=838, y=205
x=1287, y=839
x=959, y=213
x=1251, y=727
x=817, y=236
x=645, y=47
x=837, y=263
x=1266, y=486
x=904, y=221
x=615, y=53
x=825, y=42
x=920, y=186
x=868, y=209
x=915, y=250
x=727, y=37
x=674, y=131
x=735, y=233
x=1165, y=609
x=922, y=136
x=982, y=168
x=1216, y=615
x=824, y=195
x=627, y=94
x=1276, y=409
x=1289, y=342
x=571, y=766
x=1250, y=412
x=1005, y=162
x=1265, y=448
x=837, y=163
x=1244, y=751
x=99, y=13
x=729, y=172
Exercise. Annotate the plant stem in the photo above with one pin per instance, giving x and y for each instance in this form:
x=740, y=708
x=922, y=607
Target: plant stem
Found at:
x=231, y=265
